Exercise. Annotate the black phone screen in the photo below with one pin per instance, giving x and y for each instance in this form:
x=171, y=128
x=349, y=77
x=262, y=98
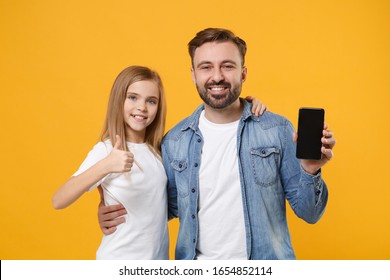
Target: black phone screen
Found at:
x=310, y=126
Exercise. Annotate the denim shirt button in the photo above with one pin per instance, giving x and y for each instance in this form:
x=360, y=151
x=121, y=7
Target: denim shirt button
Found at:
x=199, y=140
x=180, y=165
x=196, y=165
x=193, y=216
x=318, y=192
x=193, y=240
x=192, y=190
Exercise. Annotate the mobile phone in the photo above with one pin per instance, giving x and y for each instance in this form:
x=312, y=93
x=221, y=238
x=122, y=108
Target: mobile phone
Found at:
x=310, y=126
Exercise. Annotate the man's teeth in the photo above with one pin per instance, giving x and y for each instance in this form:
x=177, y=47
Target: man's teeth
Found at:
x=217, y=88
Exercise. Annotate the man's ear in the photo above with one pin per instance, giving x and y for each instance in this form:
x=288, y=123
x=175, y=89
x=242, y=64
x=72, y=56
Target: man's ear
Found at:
x=244, y=73
x=193, y=75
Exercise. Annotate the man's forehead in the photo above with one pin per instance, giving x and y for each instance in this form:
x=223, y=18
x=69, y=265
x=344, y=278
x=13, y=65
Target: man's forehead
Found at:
x=217, y=51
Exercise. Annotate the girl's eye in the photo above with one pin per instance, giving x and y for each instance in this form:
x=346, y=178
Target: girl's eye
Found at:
x=132, y=97
x=153, y=102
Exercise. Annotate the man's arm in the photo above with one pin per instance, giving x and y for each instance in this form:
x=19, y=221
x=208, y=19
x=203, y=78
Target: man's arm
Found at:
x=304, y=186
x=109, y=216
x=171, y=187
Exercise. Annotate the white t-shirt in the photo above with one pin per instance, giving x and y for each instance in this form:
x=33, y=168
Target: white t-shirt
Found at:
x=143, y=193
x=221, y=214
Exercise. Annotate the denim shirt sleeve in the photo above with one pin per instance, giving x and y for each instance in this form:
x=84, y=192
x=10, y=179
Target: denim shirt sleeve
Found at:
x=306, y=193
x=172, y=191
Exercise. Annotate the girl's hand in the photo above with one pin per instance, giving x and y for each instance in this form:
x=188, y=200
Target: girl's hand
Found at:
x=119, y=161
x=258, y=108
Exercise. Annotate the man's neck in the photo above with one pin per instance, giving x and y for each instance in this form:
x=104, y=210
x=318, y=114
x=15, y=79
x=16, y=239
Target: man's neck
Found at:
x=226, y=115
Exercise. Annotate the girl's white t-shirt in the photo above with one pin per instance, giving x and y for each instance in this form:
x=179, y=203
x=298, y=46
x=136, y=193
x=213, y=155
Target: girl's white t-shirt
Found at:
x=142, y=191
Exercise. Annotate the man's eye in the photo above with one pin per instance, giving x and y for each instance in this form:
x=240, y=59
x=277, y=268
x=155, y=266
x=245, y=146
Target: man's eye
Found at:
x=228, y=67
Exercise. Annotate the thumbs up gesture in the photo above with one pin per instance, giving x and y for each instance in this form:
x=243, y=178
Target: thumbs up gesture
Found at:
x=119, y=161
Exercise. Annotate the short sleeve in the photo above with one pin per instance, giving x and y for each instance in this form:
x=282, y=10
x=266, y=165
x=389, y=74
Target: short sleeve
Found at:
x=99, y=152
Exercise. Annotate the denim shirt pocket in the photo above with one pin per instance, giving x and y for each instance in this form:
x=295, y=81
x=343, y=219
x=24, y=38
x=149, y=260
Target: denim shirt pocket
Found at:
x=265, y=161
x=181, y=176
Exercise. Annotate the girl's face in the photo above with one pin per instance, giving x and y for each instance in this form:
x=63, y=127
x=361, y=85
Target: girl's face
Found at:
x=140, y=109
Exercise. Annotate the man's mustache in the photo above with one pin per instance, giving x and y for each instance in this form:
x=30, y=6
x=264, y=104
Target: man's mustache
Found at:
x=222, y=83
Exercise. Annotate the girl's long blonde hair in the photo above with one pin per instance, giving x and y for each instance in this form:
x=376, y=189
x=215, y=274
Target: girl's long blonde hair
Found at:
x=114, y=123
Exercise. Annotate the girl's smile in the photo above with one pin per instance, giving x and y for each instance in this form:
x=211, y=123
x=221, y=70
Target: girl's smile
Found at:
x=140, y=109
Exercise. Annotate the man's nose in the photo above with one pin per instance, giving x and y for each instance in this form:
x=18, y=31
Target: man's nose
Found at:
x=217, y=75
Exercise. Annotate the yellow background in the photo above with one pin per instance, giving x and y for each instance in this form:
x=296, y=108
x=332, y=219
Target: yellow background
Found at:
x=58, y=60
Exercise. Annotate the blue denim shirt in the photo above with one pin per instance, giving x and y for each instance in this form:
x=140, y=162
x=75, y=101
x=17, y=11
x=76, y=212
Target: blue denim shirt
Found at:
x=269, y=174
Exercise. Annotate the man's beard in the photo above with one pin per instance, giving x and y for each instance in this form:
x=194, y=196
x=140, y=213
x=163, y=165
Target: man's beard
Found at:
x=218, y=101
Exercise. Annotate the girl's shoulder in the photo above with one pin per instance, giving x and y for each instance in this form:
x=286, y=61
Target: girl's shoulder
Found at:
x=102, y=147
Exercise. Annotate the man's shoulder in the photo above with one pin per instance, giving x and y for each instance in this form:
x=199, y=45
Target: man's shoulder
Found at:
x=178, y=128
x=184, y=127
x=187, y=125
x=270, y=119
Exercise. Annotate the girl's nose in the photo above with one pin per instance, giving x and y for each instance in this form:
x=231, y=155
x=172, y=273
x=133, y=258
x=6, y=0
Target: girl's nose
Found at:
x=141, y=106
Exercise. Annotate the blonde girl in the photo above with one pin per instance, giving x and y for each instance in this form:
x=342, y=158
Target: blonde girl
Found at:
x=127, y=164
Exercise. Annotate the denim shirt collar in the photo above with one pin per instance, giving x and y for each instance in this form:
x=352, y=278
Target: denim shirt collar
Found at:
x=193, y=121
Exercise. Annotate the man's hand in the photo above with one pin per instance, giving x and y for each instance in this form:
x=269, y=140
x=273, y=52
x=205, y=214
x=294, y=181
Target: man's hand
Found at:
x=109, y=216
x=328, y=142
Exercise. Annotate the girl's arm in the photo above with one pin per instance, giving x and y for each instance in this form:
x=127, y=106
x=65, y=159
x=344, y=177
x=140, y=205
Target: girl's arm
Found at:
x=78, y=185
x=118, y=161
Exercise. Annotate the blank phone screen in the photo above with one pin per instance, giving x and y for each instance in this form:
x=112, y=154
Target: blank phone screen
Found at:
x=310, y=126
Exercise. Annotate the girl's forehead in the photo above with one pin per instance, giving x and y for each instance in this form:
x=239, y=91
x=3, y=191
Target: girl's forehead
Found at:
x=145, y=88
